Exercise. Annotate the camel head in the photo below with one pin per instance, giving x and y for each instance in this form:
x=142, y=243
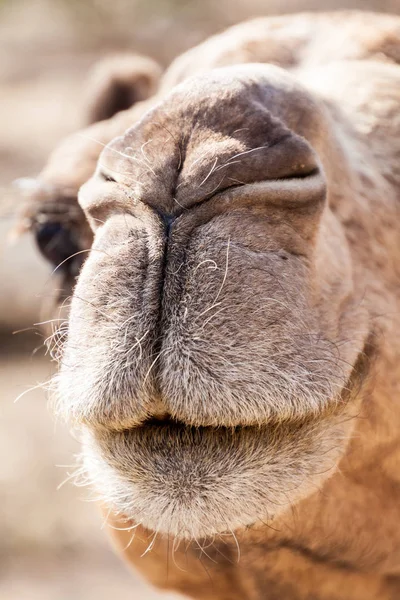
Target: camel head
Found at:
x=205, y=359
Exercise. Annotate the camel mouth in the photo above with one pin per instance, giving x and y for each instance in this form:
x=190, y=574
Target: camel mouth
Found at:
x=198, y=481
x=169, y=421
x=162, y=421
x=176, y=431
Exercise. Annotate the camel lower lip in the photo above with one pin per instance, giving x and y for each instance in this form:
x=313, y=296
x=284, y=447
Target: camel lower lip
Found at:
x=199, y=481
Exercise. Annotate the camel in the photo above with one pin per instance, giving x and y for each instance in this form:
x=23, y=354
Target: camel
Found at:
x=232, y=356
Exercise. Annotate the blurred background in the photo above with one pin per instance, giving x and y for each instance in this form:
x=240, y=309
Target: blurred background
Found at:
x=52, y=546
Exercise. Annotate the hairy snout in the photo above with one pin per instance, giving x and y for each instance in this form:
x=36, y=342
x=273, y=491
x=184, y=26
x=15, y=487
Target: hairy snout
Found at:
x=201, y=301
x=210, y=316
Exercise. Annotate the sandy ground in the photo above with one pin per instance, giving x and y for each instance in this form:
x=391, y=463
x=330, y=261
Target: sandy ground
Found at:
x=52, y=546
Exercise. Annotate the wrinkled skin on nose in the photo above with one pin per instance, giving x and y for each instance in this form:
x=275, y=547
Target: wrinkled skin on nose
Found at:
x=213, y=318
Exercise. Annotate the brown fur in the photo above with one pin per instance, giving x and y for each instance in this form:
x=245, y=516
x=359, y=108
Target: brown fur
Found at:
x=232, y=355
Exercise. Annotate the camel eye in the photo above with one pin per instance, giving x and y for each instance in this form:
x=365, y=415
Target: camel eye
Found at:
x=107, y=177
x=56, y=243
